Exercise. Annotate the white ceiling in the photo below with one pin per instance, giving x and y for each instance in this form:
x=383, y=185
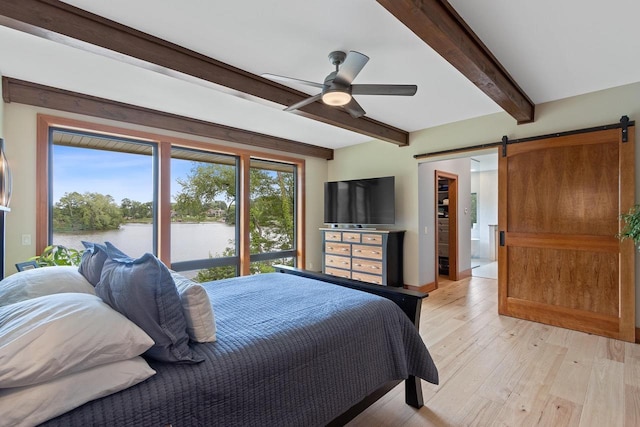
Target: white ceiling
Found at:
x=552, y=49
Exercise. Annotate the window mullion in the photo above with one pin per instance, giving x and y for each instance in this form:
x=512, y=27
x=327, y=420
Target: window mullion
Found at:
x=164, y=202
x=245, y=220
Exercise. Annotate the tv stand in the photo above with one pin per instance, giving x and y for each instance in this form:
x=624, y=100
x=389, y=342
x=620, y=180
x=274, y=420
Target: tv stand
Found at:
x=368, y=255
x=351, y=227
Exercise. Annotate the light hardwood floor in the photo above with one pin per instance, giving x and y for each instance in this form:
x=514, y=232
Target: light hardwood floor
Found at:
x=500, y=371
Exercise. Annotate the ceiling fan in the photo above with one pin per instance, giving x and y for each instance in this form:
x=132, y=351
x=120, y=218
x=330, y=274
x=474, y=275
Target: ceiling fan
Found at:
x=337, y=89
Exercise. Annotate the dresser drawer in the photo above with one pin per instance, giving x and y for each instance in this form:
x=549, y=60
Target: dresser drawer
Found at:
x=374, y=252
x=338, y=273
x=366, y=265
x=338, y=248
x=351, y=237
x=334, y=236
x=370, y=278
x=337, y=261
x=372, y=239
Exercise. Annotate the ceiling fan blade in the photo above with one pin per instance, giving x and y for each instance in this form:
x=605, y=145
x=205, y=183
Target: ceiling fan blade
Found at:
x=351, y=67
x=354, y=109
x=304, y=102
x=374, y=89
x=291, y=80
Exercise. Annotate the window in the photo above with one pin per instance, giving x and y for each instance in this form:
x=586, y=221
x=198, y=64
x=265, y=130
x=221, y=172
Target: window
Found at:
x=474, y=209
x=93, y=192
x=179, y=199
x=272, y=214
x=204, y=218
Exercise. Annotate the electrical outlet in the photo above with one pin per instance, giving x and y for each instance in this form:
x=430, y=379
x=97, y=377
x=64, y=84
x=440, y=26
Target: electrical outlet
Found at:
x=426, y=230
x=26, y=239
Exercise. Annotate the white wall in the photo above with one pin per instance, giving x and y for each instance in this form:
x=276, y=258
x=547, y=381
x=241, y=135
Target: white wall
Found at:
x=427, y=220
x=485, y=185
x=379, y=158
x=20, y=145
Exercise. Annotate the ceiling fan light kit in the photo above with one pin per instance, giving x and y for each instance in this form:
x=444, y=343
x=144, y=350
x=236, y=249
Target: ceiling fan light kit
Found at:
x=336, y=97
x=337, y=89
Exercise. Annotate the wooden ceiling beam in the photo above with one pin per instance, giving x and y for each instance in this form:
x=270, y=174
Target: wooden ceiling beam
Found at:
x=438, y=24
x=66, y=24
x=23, y=92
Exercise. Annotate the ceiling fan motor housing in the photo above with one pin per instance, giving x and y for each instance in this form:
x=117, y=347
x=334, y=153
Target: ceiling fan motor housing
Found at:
x=337, y=57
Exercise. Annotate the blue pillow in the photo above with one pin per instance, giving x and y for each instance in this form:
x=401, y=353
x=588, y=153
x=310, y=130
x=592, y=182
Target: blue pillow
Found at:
x=143, y=290
x=92, y=261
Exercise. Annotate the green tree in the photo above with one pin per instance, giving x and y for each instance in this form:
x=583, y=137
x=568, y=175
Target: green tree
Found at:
x=205, y=184
x=217, y=273
x=76, y=212
x=271, y=212
x=132, y=209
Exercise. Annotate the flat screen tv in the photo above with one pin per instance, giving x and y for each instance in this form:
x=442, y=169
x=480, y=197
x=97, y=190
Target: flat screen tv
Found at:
x=360, y=201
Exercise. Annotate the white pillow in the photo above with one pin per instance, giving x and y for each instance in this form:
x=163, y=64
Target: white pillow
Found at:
x=54, y=335
x=43, y=281
x=34, y=404
x=197, y=309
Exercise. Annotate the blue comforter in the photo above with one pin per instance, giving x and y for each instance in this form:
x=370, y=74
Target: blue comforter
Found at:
x=290, y=351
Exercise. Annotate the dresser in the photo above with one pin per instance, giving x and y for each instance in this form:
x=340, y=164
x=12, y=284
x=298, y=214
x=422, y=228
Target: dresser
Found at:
x=373, y=256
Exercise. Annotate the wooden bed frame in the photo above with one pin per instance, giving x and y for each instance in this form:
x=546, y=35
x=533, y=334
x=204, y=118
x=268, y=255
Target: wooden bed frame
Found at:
x=409, y=301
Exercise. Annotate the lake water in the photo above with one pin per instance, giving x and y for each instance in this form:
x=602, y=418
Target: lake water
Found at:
x=189, y=241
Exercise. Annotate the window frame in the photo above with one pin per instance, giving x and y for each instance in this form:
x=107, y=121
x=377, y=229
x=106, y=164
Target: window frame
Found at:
x=290, y=253
x=163, y=144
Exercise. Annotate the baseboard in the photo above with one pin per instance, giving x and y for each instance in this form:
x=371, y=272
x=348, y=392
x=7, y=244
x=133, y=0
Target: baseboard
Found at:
x=464, y=274
x=637, y=335
x=423, y=288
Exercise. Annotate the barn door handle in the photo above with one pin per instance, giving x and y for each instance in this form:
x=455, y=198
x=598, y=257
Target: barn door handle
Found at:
x=502, y=238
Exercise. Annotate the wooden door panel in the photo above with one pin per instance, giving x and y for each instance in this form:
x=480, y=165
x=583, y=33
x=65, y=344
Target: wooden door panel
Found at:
x=565, y=278
x=561, y=264
x=564, y=190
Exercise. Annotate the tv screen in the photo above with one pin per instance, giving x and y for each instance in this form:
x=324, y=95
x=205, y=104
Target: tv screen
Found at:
x=360, y=201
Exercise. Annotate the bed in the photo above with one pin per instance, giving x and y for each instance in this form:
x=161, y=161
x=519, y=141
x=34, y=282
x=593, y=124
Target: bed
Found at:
x=293, y=348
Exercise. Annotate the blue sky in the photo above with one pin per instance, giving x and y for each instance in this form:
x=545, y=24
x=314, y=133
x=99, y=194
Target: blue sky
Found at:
x=120, y=175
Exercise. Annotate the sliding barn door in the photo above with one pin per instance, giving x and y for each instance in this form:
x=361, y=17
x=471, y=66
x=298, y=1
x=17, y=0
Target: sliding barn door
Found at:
x=560, y=262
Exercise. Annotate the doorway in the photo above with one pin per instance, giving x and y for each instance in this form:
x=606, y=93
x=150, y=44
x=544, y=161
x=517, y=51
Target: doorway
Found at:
x=483, y=214
x=446, y=192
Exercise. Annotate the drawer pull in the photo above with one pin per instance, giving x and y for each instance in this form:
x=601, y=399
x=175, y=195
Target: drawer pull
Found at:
x=345, y=250
x=373, y=267
x=345, y=262
x=330, y=260
x=357, y=250
x=351, y=237
x=358, y=265
x=375, y=252
x=371, y=238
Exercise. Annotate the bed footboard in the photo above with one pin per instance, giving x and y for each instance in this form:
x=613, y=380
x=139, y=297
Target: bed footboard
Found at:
x=409, y=301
